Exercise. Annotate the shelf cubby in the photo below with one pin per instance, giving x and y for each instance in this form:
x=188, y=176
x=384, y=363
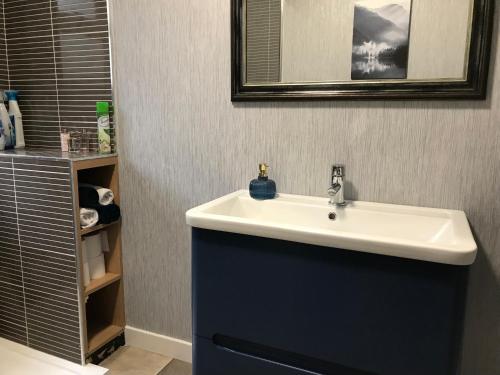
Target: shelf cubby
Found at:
x=101, y=336
x=105, y=316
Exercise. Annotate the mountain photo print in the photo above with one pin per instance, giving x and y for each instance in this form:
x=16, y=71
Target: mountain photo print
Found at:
x=381, y=39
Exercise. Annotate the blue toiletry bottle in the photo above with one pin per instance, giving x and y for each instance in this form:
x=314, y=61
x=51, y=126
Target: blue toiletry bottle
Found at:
x=2, y=137
x=263, y=187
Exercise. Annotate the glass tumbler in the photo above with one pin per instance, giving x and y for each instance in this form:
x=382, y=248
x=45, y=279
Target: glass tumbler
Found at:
x=75, y=141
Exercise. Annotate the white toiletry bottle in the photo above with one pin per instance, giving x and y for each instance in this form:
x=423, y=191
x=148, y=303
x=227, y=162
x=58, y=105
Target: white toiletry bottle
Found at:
x=18, y=117
x=65, y=141
x=8, y=129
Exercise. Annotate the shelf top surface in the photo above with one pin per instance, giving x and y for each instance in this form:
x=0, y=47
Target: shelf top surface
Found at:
x=53, y=154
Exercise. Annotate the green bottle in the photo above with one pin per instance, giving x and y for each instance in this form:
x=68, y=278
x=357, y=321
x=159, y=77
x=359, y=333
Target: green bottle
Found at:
x=103, y=128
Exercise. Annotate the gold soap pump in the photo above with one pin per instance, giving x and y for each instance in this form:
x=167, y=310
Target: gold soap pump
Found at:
x=263, y=188
x=263, y=169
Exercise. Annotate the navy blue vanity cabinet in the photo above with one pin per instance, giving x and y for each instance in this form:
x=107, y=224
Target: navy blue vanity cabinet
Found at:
x=264, y=306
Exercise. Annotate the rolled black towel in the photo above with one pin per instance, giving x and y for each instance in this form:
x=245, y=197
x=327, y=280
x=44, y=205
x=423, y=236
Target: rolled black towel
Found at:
x=107, y=214
x=88, y=196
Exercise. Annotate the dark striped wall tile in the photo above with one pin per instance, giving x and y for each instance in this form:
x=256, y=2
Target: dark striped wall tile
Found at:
x=263, y=41
x=58, y=57
x=38, y=269
x=29, y=44
x=12, y=307
x=49, y=259
x=4, y=68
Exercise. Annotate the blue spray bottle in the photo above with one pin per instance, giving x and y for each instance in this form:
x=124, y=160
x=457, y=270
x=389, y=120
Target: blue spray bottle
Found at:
x=2, y=138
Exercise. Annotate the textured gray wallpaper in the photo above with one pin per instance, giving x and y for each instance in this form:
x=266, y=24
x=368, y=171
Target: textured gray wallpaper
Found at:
x=183, y=143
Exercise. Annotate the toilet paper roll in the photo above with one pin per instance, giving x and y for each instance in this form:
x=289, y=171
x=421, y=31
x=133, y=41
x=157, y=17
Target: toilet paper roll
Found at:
x=97, y=267
x=85, y=252
x=86, y=274
x=104, y=241
x=93, y=246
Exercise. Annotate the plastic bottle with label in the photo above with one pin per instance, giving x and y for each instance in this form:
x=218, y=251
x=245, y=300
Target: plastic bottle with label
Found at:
x=103, y=127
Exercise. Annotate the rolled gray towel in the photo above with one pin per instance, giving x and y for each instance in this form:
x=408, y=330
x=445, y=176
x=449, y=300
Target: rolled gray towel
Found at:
x=106, y=196
x=88, y=217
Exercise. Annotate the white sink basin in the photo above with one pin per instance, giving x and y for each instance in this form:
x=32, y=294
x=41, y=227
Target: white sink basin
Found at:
x=426, y=234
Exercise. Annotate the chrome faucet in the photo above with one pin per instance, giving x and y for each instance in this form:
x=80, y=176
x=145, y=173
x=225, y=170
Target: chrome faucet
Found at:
x=336, y=190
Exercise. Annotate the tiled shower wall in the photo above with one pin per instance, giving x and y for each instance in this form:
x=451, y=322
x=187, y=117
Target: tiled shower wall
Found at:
x=58, y=58
x=4, y=70
x=38, y=270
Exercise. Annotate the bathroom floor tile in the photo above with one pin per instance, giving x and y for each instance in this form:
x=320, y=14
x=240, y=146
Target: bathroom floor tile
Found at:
x=177, y=368
x=133, y=361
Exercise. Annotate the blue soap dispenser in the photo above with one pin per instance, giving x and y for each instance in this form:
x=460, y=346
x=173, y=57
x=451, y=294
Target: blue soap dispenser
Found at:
x=263, y=187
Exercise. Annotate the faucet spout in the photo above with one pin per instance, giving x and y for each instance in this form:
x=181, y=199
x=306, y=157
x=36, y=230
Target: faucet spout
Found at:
x=336, y=190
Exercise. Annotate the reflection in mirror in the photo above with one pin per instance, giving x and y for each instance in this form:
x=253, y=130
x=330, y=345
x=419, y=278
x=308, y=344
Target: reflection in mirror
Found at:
x=309, y=41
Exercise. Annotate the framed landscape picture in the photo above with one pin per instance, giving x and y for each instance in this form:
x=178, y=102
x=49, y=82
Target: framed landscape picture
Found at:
x=381, y=39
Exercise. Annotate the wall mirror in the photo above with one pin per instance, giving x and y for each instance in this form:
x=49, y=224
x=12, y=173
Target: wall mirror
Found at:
x=360, y=49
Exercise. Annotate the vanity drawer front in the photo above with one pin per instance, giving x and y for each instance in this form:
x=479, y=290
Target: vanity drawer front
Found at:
x=210, y=359
x=372, y=313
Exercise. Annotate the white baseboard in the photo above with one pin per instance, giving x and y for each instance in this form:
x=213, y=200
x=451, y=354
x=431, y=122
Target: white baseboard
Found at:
x=164, y=345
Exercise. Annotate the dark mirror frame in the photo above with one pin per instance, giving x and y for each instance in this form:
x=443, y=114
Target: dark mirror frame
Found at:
x=474, y=88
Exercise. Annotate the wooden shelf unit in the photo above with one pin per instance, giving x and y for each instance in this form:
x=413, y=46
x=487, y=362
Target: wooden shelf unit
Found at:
x=104, y=309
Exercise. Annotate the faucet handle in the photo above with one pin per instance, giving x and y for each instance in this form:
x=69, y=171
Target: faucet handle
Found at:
x=338, y=170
